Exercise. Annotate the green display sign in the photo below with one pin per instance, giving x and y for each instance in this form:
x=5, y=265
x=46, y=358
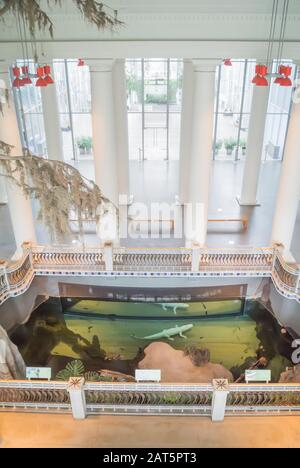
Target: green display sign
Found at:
x=258, y=375
x=38, y=373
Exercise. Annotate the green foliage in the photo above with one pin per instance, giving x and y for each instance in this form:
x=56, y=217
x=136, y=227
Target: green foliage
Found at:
x=230, y=144
x=218, y=145
x=243, y=143
x=73, y=369
x=92, y=376
x=170, y=398
x=85, y=143
x=156, y=99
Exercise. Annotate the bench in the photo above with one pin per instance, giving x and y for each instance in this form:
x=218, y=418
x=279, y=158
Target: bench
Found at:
x=243, y=220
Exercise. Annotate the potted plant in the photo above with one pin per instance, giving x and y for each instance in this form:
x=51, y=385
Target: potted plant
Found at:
x=229, y=144
x=218, y=146
x=243, y=146
x=84, y=144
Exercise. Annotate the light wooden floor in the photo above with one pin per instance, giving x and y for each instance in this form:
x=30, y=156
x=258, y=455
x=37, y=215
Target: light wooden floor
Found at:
x=37, y=430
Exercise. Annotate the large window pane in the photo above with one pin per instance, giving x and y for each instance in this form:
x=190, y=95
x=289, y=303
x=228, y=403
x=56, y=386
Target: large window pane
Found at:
x=274, y=138
x=82, y=126
x=66, y=137
x=174, y=136
x=34, y=126
x=154, y=91
x=135, y=136
x=80, y=90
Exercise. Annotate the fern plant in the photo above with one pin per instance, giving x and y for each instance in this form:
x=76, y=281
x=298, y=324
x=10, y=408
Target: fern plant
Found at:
x=72, y=369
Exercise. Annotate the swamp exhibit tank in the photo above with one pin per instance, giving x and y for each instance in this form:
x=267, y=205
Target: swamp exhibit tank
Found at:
x=189, y=341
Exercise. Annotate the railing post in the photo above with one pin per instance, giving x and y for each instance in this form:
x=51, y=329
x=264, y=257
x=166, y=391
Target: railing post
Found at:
x=77, y=397
x=196, y=251
x=220, y=393
x=108, y=256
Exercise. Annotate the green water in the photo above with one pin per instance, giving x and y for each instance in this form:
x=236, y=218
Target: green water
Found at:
x=105, y=334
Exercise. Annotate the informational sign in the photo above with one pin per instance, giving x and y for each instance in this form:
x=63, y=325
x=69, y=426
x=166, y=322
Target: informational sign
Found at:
x=258, y=375
x=40, y=373
x=147, y=375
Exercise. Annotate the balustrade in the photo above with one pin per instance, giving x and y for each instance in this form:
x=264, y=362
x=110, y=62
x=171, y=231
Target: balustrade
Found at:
x=158, y=398
x=16, y=278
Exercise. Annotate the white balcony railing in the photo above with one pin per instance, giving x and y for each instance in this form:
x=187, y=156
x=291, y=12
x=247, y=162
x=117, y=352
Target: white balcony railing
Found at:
x=15, y=278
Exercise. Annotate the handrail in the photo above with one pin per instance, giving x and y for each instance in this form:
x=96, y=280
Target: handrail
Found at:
x=148, y=398
x=16, y=277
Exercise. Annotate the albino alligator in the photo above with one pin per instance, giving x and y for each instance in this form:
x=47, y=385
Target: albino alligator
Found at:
x=173, y=305
x=168, y=333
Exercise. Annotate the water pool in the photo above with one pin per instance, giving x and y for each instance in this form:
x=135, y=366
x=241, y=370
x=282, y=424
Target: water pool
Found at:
x=113, y=335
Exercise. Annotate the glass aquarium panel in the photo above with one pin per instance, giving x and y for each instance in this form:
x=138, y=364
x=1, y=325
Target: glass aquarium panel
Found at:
x=210, y=339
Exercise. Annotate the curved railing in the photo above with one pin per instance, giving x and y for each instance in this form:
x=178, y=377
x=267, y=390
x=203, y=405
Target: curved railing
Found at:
x=15, y=278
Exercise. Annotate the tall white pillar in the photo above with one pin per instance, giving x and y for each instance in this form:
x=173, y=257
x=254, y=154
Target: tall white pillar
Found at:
x=52, y=123
x=3, y=194
x=289, y=186
x=104, y=129
x=121, y=125
x=254, y=145
x=201, y=146
x=19, y=205
x=186, y=129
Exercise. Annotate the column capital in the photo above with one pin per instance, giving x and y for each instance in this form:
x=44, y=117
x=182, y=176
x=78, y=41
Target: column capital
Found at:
x=207, y=65
x=100, y=66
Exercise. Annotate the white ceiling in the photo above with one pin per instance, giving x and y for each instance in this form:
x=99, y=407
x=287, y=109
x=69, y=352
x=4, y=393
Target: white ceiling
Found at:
x=175, y=28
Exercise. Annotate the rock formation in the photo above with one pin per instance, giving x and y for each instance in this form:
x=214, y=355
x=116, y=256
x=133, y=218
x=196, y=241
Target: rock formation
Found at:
x=12, y=365
x=291, y=375
x=182, y=366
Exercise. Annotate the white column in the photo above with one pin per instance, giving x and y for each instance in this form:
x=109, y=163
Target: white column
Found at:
x=121, y=125
x=3, y=194
x=186, y=129
x=52, y=123
x=77, y=397
x=289, y=186
x=220, y=393
x=201, y=147
x=255, y=142
x=19, y=205
x=104, y=129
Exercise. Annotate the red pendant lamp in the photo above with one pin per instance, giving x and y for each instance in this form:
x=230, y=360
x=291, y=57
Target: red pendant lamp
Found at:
x=40, y=82
x=260, y=75
x=26, y=80
x=18, y=82
x=48, y=78
x=81, y=63
x=227, y=62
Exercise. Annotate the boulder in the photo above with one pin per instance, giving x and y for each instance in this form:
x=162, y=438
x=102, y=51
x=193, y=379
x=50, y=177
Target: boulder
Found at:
x=12, y=365
x=290, y=375
x=178, y=366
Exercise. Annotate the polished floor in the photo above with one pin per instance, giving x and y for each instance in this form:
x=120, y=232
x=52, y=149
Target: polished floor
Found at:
x=147, y=431
x=157, y=181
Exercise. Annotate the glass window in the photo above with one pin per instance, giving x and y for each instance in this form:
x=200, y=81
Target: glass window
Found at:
x=154, y=93
x=233, y=107
x=74, y=102
x=28, y=102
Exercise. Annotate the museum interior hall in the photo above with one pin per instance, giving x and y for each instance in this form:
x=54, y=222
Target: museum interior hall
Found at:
x=149, y=220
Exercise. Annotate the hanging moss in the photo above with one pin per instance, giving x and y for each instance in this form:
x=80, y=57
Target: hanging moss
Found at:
x=37, y=19
x=63, y=193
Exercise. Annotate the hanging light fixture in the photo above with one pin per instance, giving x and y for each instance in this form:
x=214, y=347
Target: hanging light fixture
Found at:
x=260, y=75
x=18, y=82
x=48, y=78
x=40, y=82
x=227, y=62
x=26, y=80
x=284, y=72
x=81, y=63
